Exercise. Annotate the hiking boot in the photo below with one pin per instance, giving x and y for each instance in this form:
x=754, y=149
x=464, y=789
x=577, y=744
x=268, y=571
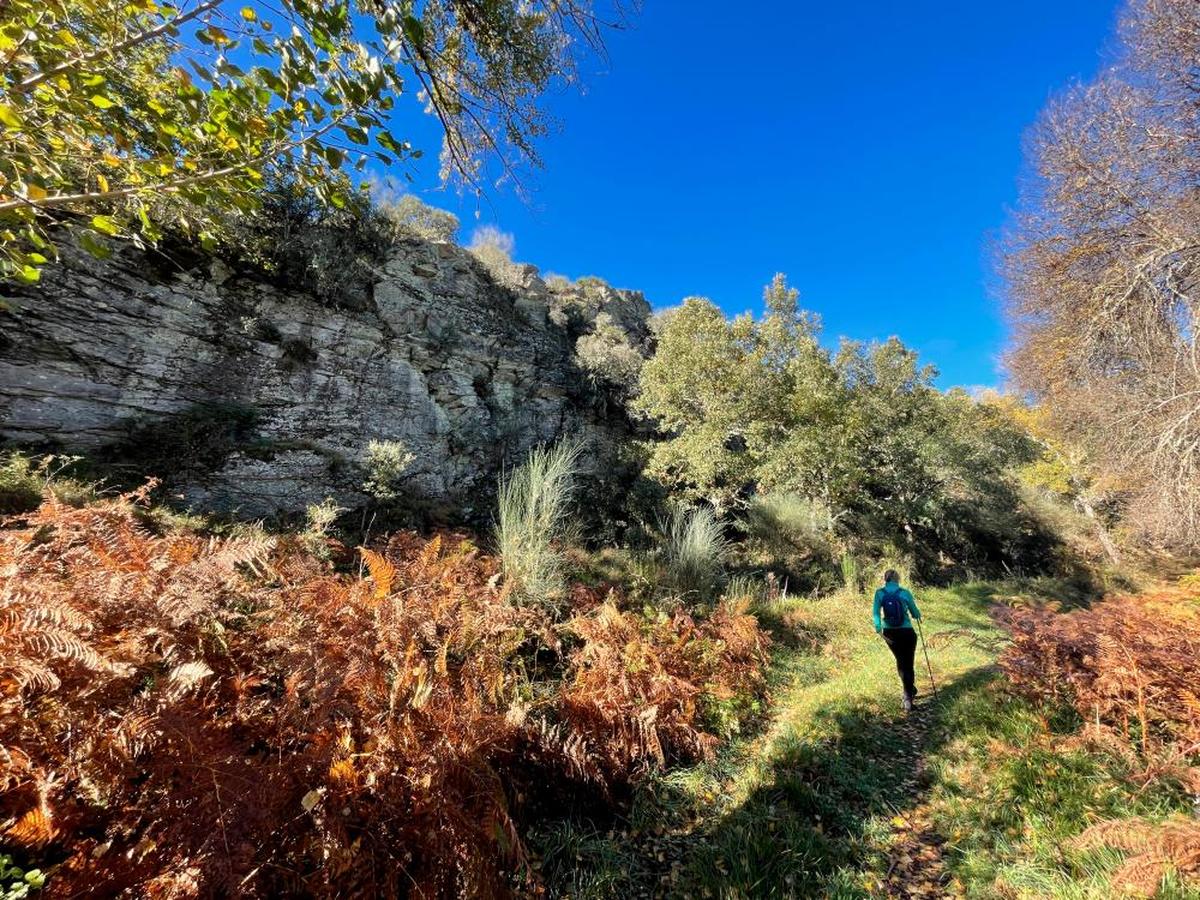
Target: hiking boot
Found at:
x=908, y=703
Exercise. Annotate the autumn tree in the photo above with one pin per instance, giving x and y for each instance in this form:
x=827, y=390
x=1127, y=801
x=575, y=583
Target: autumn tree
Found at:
x=121, y=117
x=1103, y=264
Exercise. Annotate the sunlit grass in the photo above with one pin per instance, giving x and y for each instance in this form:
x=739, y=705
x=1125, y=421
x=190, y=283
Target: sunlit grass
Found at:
x=534, y=506
x=807, y=807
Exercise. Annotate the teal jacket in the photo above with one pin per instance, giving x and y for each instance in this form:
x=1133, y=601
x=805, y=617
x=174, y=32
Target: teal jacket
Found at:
x=910, y=606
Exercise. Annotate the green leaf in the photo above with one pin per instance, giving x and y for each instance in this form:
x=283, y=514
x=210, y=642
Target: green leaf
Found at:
x=387, y=142
x=29, y=274
x=106, y=225
x=414, y=30
x=88, y=241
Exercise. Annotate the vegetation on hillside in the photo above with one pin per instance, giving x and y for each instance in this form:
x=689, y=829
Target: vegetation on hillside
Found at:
x=186, y=715
x=874, y=460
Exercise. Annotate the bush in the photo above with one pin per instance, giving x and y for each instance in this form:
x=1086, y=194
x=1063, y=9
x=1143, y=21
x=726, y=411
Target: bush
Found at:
x=319, y=519
x=21, y=483
x=534, y=510
x=494, y=248
x=412, y=215
x=386, y=464
x=607, y=358
x=693, y=553
x=25, y=479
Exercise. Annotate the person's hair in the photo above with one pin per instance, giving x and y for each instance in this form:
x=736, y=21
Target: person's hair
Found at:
x=891, y=575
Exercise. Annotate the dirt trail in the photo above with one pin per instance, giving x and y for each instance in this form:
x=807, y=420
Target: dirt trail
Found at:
x=916, y=868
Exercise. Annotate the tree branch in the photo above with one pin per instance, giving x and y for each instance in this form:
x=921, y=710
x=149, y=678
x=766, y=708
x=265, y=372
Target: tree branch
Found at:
x=33, y=81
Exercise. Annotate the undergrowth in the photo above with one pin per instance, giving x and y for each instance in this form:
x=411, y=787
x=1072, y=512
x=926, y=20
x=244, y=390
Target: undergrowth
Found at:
x=187, y=715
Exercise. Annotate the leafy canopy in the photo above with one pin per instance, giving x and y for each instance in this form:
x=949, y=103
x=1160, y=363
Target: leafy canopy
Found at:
x=122, y=117
x=748, y=406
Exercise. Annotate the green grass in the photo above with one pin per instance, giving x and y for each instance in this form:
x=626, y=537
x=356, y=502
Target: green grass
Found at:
x=806, y=807
x=534, y=509
x=24, y=479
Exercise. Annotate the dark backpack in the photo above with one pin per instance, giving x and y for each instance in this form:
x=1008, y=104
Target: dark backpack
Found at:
x=892, y=605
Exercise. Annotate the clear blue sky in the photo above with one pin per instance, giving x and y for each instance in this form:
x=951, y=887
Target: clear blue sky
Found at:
x=869, y=150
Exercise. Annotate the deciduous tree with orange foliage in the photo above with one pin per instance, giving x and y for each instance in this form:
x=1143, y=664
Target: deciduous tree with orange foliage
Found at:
x=1103, y=268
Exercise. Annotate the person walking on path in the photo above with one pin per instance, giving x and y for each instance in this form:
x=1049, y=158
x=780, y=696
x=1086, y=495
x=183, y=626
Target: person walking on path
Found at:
x=893, y=612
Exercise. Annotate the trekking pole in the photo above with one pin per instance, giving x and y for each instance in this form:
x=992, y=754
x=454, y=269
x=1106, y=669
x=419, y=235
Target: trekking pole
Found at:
x=928, y=664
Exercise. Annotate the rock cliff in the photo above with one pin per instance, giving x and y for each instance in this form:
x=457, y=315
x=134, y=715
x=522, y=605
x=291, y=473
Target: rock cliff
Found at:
x=254, y=397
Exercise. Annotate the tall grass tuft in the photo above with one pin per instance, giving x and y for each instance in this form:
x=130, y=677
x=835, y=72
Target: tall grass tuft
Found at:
x=694, y=553
x=789, y=524
x=534, y=511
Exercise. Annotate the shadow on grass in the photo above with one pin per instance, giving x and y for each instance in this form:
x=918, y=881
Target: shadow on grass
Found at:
x=787, y=631
x=812, y=828
x=808, y=830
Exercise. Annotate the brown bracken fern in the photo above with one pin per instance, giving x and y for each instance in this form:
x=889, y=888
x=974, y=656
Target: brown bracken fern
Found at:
x=187, y=716
x=1130, y=667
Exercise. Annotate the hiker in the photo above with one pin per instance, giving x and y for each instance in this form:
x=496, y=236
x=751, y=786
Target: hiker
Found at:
x=891, y=611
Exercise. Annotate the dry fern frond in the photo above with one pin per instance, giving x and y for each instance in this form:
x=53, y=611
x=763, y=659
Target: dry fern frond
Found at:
x=1155, y=848
x=1117, y=664
x=244, y=722
x=35, y=828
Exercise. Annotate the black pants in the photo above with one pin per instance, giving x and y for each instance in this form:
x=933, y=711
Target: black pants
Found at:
x=903, y=644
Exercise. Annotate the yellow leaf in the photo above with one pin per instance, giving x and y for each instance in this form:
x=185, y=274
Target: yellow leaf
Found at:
x=34, y=192
x=102, y=182
x=9, y=117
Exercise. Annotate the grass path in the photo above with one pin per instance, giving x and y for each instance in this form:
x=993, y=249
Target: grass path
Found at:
x=841, y=795
x=809, y=806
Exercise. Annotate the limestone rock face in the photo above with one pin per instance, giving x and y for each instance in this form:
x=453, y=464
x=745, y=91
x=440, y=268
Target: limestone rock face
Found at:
x=255, y=399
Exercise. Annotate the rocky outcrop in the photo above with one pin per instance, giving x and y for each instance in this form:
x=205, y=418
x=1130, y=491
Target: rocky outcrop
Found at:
x=256, y=398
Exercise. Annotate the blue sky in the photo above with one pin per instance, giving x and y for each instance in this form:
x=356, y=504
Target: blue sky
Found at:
x=869, y=150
